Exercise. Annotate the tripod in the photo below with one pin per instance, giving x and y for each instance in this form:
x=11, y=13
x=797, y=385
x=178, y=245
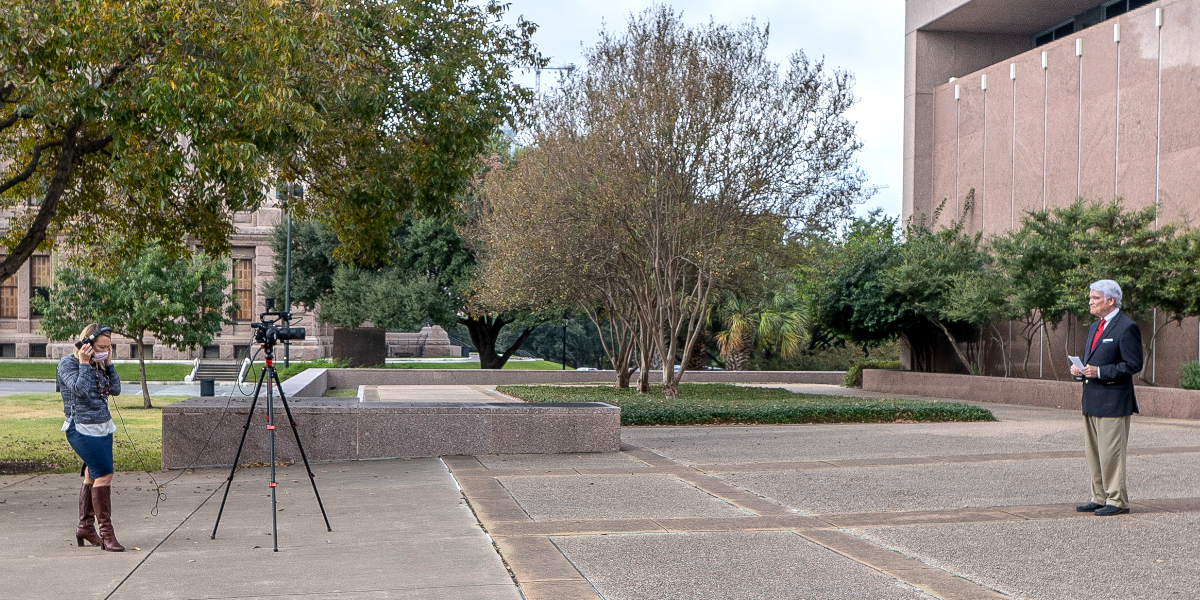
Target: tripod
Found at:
x=272, y=378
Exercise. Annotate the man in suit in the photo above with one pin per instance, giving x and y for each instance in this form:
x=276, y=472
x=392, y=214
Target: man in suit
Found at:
x=1112, y=356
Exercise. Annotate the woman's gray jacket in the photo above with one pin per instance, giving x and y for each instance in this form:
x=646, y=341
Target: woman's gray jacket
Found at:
x=83, y=401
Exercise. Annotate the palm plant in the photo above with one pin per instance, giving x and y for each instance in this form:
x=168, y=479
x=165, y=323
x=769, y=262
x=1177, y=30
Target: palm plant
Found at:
x=774, y=321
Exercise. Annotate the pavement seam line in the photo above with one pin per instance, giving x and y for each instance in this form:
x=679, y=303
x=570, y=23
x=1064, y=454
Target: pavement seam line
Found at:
x=16, y=483
x=577, y=570
x=948, y=579
x=495, y=547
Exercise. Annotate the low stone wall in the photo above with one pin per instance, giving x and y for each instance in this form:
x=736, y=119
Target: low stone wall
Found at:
x=203, y=432
x=1171, y=403
x=346, y=378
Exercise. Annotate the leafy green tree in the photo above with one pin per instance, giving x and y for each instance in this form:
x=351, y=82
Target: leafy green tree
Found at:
x=853, y=300
x=177, y=300
x=312, y=263
x=931, y=277
x=1033, y=261
x=160, y=118
x=669, y=164
x=428, y=279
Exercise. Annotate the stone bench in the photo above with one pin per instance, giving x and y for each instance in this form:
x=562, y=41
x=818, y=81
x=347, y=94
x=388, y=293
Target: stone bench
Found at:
x=203, y=432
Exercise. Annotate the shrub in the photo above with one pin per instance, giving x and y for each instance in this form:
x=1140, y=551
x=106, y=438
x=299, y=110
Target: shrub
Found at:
x=854, y=374
x=1189, y=379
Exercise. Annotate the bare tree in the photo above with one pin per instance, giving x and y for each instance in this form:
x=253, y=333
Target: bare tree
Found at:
x=665, y=169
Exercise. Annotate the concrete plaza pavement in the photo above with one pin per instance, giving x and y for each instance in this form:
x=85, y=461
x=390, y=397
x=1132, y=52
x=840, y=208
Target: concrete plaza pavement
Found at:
x=880, y=511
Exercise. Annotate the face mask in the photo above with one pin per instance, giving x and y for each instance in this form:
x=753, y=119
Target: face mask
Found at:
x=99, y=357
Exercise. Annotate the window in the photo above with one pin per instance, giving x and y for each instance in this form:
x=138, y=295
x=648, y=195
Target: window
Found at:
x=37, y=351
x=211, y=352
x=1115, y=9
x=149, y=349
x=8, y=350
x=39, y=279
x=241, y=352
x=243, y=288
x=8, y=295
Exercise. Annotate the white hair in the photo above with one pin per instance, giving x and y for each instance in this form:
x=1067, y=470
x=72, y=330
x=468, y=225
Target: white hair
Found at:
x=1109, y=288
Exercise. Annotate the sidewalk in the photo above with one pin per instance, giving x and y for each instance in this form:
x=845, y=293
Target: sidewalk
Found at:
x=400, y=530
x=958, y=511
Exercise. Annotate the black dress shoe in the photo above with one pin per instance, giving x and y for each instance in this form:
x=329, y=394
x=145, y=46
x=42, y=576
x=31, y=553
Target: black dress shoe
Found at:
x=1110, y=510
x=1089, y=507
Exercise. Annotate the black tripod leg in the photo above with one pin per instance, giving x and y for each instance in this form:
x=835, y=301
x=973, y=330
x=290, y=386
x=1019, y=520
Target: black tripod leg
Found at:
x=292, y=422
x=238, y=456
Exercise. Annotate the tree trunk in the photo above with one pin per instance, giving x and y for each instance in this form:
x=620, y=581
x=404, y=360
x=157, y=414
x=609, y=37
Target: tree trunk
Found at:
x=699, y=357
x=484, y=331
x=643, y=386
x=957, y=350
x=623, y=377
x=738, y=357
x=142, y=369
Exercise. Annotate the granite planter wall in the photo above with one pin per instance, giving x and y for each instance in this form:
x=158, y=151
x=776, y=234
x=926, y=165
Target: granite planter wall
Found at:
x=1172, y=403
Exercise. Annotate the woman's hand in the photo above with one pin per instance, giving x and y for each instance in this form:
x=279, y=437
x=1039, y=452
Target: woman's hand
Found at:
x=85, y=354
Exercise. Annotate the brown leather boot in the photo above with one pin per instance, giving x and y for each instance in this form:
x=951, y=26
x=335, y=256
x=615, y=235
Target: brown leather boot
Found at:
x=87, y=517
x=101, y=502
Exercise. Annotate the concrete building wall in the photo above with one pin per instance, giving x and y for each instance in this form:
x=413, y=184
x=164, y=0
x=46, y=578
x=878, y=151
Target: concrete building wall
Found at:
x=1108, y=111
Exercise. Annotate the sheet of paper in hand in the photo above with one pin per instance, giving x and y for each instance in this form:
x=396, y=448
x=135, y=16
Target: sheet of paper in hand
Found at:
x=1075, y=361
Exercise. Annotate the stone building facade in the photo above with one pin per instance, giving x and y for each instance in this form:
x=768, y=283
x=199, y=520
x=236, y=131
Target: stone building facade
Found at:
x=250, y=263
x=1033, y=104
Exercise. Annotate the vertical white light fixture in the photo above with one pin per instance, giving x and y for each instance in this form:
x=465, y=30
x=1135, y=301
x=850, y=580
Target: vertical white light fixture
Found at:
x=1117, y=116
x=1079, y=122
x=1012, y=184
x=983, y=175
x=957, y=146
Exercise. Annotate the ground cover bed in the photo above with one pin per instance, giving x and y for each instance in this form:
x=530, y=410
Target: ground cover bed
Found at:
x=31, y=440
x=528, y=365
x=126, y=371
x=718, y=403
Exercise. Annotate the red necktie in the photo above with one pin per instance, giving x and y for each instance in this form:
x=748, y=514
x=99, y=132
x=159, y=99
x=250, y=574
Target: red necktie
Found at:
x=1096, y=338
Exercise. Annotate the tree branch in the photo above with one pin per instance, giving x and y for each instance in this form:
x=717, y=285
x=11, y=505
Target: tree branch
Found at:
x=29, y=168
x=58, y=183
x=12, y=119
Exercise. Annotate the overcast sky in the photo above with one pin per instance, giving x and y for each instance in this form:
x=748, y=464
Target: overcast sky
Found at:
x=865, y=37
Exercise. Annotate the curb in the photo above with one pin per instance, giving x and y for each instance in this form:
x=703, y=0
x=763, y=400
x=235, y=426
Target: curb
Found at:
x=29, y=380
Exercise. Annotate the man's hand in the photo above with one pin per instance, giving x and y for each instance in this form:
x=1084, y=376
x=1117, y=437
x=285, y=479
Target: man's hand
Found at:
x=1076, y=372
x=1091, y=372
x=85, y=354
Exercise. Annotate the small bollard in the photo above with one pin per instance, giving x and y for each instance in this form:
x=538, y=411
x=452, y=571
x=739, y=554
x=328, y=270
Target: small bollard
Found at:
x=208, y=387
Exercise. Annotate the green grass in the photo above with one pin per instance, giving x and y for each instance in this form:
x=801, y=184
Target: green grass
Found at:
x=524, y=365
x=127, y=371
x=294, y=368
x=30, y=432
x=342, y=393
x=718, y=403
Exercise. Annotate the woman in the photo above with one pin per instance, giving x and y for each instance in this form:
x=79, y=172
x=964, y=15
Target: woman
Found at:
x=87, y=377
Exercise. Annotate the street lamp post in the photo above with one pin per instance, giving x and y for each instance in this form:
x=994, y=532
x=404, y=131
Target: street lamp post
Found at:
x=285, y=193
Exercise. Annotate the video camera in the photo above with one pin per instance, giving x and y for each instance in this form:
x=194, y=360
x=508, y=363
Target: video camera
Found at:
x=267, y=333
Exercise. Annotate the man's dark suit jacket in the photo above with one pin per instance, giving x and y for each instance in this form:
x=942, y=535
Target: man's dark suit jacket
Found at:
x=1118, y=353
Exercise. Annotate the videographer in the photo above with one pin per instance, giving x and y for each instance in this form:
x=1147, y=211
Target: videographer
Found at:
x=87, y=378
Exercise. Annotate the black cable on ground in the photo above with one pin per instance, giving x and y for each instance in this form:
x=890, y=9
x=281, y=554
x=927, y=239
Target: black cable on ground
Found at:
x=163, y=541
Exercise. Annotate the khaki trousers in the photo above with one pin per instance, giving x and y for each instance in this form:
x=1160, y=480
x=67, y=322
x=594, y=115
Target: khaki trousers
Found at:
x=1107, y=439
